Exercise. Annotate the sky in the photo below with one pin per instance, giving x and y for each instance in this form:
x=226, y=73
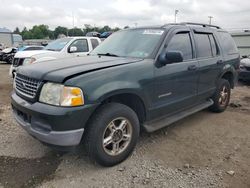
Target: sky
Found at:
x=229, y=14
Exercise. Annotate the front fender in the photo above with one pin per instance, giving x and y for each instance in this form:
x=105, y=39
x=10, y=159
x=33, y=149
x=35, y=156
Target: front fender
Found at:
x=115, y=88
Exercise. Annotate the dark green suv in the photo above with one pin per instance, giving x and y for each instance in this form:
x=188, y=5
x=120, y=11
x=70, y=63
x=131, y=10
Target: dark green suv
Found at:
x=140, y=78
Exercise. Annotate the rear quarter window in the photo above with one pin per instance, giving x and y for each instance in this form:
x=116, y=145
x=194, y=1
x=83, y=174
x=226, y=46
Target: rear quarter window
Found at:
x=227, y=43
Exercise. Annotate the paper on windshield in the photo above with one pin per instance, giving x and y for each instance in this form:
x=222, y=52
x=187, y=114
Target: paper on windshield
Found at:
x=152, y=32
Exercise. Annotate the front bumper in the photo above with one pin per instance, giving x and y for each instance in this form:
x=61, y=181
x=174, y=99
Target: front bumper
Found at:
x=244, y=75
x=50, y=124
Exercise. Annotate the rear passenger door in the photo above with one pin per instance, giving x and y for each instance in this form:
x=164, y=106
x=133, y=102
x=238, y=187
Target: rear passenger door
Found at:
x=176, y=83
x=210, y=62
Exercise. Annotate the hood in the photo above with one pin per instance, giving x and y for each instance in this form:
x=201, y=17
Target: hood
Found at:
x=61, y=69
x=25, y=54
x=245, y=62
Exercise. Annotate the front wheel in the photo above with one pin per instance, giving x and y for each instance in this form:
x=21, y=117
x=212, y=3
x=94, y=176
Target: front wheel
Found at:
x=221, y=97
x=112, y=134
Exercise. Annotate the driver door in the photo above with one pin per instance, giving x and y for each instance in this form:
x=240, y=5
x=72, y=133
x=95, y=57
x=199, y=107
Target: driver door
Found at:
x=176, y=83
x=81, y=47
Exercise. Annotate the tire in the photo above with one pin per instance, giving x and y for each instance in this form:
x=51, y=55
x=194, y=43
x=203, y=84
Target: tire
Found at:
x=221, y=100
x=100, y=129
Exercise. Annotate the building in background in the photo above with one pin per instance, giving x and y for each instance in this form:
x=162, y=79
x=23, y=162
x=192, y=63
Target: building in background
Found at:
x=8, y=39
x=242, y=40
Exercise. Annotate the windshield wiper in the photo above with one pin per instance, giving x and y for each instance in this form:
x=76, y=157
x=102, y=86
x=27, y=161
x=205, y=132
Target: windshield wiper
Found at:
x=51, y=49
x=108, y=54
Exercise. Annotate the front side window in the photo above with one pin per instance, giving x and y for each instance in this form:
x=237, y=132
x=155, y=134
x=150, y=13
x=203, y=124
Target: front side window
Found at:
x=181, y=42
x=203, y=46
x=138, y=43
x=81, y=45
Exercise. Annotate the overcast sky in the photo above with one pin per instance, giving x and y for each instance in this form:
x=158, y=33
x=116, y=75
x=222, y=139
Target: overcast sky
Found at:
x=226, y=13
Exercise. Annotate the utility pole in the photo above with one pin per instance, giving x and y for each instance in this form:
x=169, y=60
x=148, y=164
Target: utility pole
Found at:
x=175, y=15
x=210, y=19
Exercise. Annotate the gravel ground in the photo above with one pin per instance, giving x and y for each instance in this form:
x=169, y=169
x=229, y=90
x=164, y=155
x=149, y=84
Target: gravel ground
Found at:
x=203, y=150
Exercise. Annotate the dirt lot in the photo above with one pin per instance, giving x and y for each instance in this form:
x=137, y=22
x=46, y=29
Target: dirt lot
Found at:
x=203, y=150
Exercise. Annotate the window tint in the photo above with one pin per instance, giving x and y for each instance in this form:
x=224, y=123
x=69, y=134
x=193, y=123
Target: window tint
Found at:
x=181, y=42
x=94, y=43
x=81, y=45
x=227, y=43
x=215, y=49
x=203, y=45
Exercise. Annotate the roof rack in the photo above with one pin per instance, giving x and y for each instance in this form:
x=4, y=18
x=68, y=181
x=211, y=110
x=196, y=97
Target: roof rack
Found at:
x=191, y=23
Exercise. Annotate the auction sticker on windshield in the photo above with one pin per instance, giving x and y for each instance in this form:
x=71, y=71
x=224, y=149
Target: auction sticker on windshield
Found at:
x=152, y=32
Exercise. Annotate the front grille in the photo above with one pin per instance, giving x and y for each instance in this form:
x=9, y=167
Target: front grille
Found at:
x=17, y=62
x=26, y=86
x=248, y=68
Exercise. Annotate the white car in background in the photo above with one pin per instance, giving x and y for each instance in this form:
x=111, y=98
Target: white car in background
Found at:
x=60, y=48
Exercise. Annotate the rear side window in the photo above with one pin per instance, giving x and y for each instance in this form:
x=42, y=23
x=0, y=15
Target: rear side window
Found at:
x=214, y=46
x=227, y=43
x=94, y=43
x=181, y=42
x=203, y=45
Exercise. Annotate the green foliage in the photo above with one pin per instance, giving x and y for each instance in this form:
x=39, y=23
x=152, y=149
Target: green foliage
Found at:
x=75, y=32
x=43, y=31
x=17, y=31
x=60, y=31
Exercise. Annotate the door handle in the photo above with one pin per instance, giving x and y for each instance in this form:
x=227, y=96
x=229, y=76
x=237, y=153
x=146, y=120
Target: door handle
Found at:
x=192, y=67
x=219, y=62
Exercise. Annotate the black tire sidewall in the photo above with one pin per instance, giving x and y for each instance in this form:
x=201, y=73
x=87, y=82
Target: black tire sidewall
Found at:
x=104, y=116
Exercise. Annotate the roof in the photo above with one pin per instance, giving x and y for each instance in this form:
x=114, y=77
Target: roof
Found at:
x=5, y=30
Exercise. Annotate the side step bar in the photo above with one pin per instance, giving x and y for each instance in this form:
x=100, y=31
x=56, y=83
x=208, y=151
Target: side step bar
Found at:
x=165, y=121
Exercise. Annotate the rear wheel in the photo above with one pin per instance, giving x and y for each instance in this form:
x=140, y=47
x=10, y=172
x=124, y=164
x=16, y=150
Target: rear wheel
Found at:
x=221, y=97
x=112, y=134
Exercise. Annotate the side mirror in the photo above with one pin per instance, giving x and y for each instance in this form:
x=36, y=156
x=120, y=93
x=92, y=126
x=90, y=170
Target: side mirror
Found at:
x=72, y=49
x=170, y=57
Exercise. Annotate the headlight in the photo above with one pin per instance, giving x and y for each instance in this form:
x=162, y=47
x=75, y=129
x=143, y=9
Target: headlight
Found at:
x=60, y=95
x=242, y=67
x=28, y=61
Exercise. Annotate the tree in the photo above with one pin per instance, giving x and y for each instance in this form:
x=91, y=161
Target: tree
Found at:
x=126, y=27
x=17, y=31
x=75, y=32
x=60, y=30
x=26, y=34
x=40, y=31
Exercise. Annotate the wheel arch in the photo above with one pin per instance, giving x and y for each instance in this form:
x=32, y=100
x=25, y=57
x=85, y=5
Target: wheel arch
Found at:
x=130, y=99
x=230, y=77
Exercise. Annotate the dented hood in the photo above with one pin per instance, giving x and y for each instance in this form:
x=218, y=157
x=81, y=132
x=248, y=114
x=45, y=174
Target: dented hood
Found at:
x=61, y=69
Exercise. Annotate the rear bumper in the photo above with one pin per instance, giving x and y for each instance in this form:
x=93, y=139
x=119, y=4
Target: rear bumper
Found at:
x=50, y=124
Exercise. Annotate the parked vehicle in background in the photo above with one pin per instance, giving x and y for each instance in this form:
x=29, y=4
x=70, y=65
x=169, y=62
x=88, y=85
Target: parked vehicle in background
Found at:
x=106, y=34
x=93, y=34
x=244, y=73
x=1, y=46
x=58, y=49
x=140, y=78
x=30, y=48
x=8, y=54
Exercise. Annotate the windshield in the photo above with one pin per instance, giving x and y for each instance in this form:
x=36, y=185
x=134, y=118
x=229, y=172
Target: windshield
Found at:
x=58, y=44
x=138, y=43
